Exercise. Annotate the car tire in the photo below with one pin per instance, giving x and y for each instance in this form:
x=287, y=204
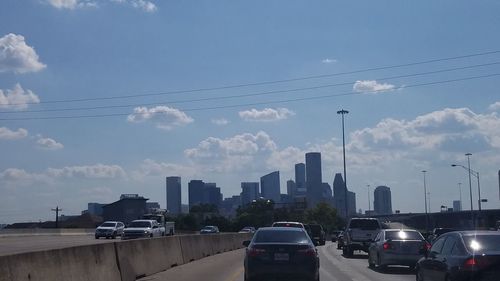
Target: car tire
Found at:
x=114, y=235
x=151, y=235
x=419, y=276
x=96, y=237
x=371, y=264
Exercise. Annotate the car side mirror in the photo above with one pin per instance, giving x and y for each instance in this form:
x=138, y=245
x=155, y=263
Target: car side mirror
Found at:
x=246, y=243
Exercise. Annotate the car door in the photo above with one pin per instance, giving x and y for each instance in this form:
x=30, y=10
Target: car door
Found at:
x=429, y=266
x=442, y=259
x=373, y=249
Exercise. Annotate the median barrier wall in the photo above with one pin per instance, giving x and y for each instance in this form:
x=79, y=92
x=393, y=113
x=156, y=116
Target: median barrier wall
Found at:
x=82, y=263
x=195, y=247
x=143, y=257
x=46, y=231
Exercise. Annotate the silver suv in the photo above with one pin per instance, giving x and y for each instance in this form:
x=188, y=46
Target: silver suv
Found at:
x=109, y=229
x=359, y=233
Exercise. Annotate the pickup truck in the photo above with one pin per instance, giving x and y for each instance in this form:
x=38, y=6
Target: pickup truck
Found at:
x=167, y=227
x=142, y=229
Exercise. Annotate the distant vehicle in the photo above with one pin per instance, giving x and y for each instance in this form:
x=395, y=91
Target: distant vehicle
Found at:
x=317, y=234
x=284, y=252
x=247, y=229
x=340, y=241
x=209, y=229
x=335, y=235
x=396, y=247
x=288, y=224
x=359, y=233
x=462, y=255
x=109, y=229
x=436, y=232
x=166, y=227
x=141, y=229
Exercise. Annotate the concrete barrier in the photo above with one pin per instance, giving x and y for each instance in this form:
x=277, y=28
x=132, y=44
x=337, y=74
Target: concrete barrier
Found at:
x=45, y=231
x=83, y=263
x=196, y=247
x=143, y=257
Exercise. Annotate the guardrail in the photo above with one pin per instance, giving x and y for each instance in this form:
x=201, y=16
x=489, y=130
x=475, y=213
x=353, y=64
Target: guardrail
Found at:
x=117, y=261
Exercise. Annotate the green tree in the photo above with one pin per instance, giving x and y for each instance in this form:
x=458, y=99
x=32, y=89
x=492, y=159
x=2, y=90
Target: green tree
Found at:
x=323, y=214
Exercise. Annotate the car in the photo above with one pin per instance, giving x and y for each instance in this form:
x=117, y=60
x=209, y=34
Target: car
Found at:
x=359, y=234
x=317, y=234
x=109, y=229
x=460, y=256
x=436, y=232
x=209, y=229
x=335, y=234
x=340, y=241
x=288, y=224
x=247, y=229
x=142, y=229
x=396, y=247
x=281, y=252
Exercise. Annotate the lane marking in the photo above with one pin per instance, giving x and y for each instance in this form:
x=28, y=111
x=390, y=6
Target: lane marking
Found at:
x=235, y=276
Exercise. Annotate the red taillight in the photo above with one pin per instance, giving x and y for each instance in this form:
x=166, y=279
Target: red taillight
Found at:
x=310, y=252
x=253, y=252
x=475, y=263
x=386, y=246
x=427, y=246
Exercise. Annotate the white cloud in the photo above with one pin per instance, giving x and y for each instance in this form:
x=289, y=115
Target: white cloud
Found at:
x=49, y=144
x=7, y=134
x=152, y=168
x=328, y=61
x=495, y=106
x=266, y=115
x=366, y=86
x=146, y=6
x=220, y=122
x=97, y=171
x=16, y=56
x=165, y=117
x=17, y=98
x=72, y=4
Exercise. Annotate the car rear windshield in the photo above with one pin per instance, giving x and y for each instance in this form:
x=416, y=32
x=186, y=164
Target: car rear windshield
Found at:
x=286, y=224
x=281, y=236
x=140, y=224
x=403, y=235
x=315, y=227
x=482, y=242
x=108, y=224
x=364, y=224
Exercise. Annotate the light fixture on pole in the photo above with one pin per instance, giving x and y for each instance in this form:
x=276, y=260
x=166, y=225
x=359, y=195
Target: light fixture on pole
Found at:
x=425, y=202
x=344, y=112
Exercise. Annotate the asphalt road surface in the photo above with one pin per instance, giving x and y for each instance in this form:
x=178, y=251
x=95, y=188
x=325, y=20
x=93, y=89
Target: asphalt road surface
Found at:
x=334, y=267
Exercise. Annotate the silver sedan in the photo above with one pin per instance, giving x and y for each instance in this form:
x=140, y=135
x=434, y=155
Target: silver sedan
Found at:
x=396, y=247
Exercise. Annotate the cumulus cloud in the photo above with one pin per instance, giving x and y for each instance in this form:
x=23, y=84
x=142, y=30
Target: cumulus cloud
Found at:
x=147, y=6
x=17, y=98
x=49, y=144
x=97, y=171
x=16, y=56
x=367, y=86
x=151, y=167
x=495, y=106
x=327, y=61
x=220, y=122
x=165, y=117
x=8, y=134
x=266, y=115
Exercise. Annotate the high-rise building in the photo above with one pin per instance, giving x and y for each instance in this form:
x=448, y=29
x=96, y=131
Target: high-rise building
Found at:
x=212, y=194
x=174, y=205
x=314, y=180
x=95, y=208
x=291, y=188
x=351, y=203
x=300, y=179
x=339, y=195
x=249, y=192
x=270, y=186
x=457, y=206
x=382, y=203
x=326, y=191
x=195, y=192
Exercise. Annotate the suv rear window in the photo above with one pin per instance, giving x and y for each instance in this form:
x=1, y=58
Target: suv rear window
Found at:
x=364, y=224
x=403, y=235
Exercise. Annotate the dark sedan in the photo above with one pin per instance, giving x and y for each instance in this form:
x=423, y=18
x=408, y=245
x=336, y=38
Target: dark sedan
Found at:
x=461, y=256
x=281, y=252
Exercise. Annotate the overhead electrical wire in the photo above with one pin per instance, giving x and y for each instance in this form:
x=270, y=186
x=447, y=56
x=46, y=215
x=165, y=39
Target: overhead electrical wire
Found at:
x=257, y=103
x=265, y=82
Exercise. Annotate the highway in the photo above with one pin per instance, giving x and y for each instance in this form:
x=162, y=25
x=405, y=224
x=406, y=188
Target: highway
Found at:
x=334, y=267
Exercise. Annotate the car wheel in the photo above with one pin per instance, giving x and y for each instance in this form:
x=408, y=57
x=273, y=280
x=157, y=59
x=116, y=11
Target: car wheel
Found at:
x=114, y=235
x=151, y=235
x=96, y=237
x=419, y=276
x=371, y=264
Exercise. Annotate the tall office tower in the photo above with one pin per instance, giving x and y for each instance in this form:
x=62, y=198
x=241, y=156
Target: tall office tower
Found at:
x=351, y=203
x=195, y=190
x=212, y=194
x=249, y=192
x=291, y=188
x=174, y=205
x=314, y=180
x=326, y=192
x=457, y=206
x=270, y=186
x=382, y=202
x=339, y=195
x=300, y=178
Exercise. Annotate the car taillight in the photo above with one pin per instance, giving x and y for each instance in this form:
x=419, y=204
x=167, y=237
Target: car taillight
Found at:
x=427, y=246
x=386, y=246
x=471, y=263
x=310, y=252
x=253, y=252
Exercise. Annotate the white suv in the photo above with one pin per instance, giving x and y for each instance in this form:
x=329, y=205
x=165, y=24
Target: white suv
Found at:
x=359, y=233
x=109, y=229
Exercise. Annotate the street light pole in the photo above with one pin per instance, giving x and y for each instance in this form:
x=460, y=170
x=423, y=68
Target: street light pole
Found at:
x=425, y=200
x=470, y=188
x=344, y=112
x=460, y=190
x=369, y=201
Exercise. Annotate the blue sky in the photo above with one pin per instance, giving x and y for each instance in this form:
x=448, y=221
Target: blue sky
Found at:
x=68, y=50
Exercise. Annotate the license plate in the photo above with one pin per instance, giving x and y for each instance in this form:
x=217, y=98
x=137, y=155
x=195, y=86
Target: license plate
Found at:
x=281, y=257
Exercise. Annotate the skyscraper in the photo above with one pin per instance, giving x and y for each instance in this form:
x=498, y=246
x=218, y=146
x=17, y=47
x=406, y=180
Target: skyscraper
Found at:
x=174, y=195
x=195, y=190
x=270, y=186
x=314, y=180
x=300, y=178
x=382, y=203
x=351, y=201
x=249, y=192
x=457, y=206
x=212, y=194
x=291, y=188
x=339, y=195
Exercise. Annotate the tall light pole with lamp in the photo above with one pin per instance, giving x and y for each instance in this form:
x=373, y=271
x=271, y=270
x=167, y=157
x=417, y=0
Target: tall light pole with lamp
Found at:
x=369, y=201
x=475, y=174
x=425, y=201
x=344, y=112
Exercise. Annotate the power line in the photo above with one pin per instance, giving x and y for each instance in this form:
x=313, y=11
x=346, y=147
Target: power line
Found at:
x=256, y=103
x=266, y=82
x=249, y=94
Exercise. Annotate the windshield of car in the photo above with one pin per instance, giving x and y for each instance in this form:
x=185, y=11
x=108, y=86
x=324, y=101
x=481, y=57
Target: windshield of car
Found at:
x=140, y=224
x=403, y=235
x=108, y=224
x=281, y=236
x=364, y=224
x=482, y=242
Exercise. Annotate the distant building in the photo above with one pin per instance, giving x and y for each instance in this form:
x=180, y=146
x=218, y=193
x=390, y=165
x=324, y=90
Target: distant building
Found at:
x=300, y=179
x=185, y=208
x=314, y=180
x=195, y=192
x=290, y=188
x=212, y=194
x=151, y=206
x=95, y=209
x=270, y=186
x=174, y=192
x=229, y=206
x=249, y=192
x=382, y=203
x=339, y=195
x=457, y=205
x=351, y=200
x=130, y=207
x=326, y=192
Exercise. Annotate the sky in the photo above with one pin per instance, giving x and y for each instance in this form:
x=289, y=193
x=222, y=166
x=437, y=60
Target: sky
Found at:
x=104, y=97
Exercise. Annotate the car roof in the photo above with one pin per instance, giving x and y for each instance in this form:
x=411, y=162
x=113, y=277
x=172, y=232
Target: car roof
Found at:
x=145, y=220
x=280, y=228
x=474, y=232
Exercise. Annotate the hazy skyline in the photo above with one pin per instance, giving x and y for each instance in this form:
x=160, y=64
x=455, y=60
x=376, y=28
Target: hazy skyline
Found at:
x=118, y=95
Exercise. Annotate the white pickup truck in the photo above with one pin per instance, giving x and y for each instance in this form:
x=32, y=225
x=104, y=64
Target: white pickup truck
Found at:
x=143, y=228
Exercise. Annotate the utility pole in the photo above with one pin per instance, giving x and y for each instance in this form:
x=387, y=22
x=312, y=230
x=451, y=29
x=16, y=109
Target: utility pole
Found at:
x=425, y=203
x=57, y=215
x=344, y=112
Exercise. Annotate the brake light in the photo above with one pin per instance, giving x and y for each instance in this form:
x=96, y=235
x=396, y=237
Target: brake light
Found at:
x=471, y=263
x=386, y=246
x=253, y=252
x=309, y=252
x=427, y=246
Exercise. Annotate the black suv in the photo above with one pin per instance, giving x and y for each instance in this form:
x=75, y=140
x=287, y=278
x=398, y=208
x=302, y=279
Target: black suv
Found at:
x=317, y=234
